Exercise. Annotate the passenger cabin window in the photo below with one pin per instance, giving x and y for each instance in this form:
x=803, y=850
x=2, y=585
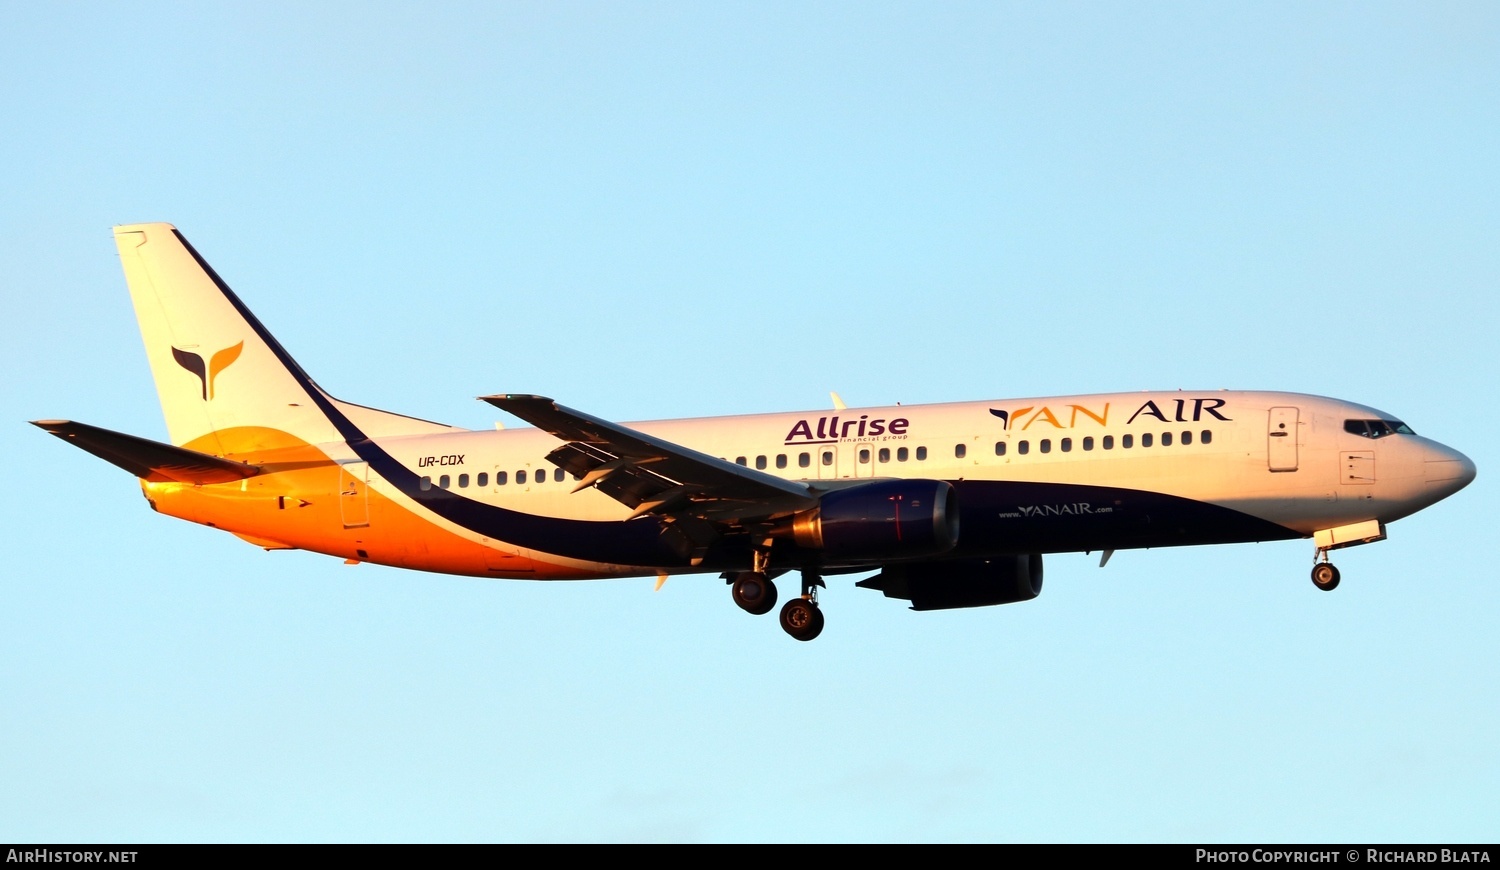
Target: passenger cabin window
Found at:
x=425, y=483
x=901, y=454
x=1187, y=438
x=1066, y=444
x=1023, y=448
x=740, y=460
x=499, y=478
x=463, y=481
x=760, y=463
x=483, y=479
x=521, y=476
x=1145, y=439
x=999, y=448
x=557, y=474
x=885, y=454
x=804, y=460
x=827, y=457
x=1046, y=445
x=1166, y=439
x=1088, y=442
x=444, y=481
x=959, y=450
x=864, y=456
x=1377, y=428
x=1206, y=437
x=781, y=460
x=921, y=454
x=1109, y=442
x=1127, y=442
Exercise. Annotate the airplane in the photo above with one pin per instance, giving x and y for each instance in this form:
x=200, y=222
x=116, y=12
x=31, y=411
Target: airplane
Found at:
x=951, y=505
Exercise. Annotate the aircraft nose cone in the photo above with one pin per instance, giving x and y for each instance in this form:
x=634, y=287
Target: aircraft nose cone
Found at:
x=1448, y=470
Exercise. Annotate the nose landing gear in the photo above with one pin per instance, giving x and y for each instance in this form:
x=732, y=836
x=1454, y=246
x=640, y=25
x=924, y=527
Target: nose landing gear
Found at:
x=1324, y=575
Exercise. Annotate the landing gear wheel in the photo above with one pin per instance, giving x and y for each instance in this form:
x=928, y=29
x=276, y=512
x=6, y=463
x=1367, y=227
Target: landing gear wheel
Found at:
x=1325, y=576
x=754, y=592
x=802, y=619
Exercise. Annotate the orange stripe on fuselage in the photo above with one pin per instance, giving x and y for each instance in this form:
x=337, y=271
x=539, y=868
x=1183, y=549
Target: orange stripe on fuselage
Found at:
x=296, y=501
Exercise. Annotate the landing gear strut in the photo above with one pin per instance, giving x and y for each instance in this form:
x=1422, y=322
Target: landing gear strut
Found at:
x=801, y=617
x=1324, y=575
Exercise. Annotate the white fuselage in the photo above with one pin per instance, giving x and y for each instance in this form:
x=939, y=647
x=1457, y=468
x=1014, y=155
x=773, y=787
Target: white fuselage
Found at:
x=1281, y=458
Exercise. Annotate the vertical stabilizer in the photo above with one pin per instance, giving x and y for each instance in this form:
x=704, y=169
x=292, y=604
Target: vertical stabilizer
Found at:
x=216, y=367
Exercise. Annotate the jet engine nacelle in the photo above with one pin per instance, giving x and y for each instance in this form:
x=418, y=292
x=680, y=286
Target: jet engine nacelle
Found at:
x=969, y=583
x=889, y=519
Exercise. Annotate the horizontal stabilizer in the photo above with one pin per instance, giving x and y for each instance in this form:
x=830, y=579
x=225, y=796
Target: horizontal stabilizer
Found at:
x=147, y=459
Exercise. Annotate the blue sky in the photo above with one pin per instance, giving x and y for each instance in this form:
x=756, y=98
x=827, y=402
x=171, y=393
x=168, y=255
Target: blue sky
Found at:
x=663, y=210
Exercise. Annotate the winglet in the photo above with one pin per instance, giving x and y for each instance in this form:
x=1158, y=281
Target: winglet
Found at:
x=838, y=401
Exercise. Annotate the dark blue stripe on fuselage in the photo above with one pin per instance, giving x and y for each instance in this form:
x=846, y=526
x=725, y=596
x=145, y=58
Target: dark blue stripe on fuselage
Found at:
x=1017, y=517
x=995, y=517
x=622, y=542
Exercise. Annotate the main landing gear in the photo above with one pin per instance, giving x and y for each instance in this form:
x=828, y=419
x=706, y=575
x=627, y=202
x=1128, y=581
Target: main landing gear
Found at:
x=801, y=617
x=755, y=594
x=1324, y=575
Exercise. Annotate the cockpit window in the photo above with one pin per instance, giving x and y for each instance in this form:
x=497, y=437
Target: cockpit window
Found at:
x=1377, y=428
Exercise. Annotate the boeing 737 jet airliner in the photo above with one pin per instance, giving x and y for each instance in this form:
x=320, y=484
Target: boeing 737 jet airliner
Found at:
x=953, y=505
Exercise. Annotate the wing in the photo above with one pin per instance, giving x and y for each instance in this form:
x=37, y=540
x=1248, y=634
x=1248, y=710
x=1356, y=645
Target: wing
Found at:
x=651, y=475
x=147, y=459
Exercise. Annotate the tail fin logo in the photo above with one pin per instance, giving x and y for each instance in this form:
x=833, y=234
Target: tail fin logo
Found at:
x=217, y=363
